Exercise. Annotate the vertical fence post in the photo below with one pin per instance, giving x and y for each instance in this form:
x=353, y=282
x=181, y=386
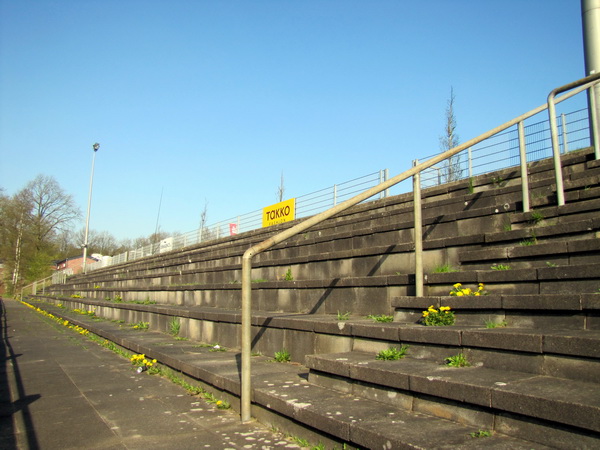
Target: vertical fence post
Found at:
x=470, y=156
x=382, y=178
x=563, y=125
x=334, y=194
x=418, y=231
x=387, y=177
x=524, y=174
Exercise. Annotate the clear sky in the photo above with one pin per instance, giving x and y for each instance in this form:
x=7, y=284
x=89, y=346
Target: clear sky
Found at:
x=211, y=100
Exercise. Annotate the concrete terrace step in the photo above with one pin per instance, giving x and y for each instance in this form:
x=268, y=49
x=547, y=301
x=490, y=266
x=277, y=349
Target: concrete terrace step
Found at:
x=282, y=389
x=568, y=411
x=569, y=311
x=373, y=251
x=566, y=252
x=549, y=351
x=581, y=278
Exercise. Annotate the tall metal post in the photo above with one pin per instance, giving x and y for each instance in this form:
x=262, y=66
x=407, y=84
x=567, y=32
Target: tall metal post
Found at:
x=523, y=160
x=96, y=146
x=590, y=15
x=418, y=232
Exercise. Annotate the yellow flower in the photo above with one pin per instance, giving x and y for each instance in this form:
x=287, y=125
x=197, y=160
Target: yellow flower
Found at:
x=459, y=294
x=457, y=285
x=444, y=308
x=219, y=403
x=154, y=361
x=425, y=313
x=476, y=293
x=432, y=309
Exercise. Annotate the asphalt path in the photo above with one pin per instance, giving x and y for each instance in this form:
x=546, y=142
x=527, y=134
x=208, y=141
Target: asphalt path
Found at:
x=59, y=390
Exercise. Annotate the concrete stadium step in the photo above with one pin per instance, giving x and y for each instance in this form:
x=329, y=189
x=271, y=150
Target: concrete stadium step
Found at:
x=580, y=278
x=435, y=200
x=568, y=311
x=282, y=392
x=342, y=255
x=566, y=412
x=546, y=350
x=543, y=254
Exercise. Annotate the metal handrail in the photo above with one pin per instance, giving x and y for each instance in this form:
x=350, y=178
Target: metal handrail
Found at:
x=246, y=325
x=554, y=130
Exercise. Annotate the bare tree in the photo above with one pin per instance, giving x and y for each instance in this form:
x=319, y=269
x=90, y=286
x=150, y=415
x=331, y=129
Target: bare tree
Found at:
x=203, y=222
x=52, y=210
x=452, y=166
x=30, y=223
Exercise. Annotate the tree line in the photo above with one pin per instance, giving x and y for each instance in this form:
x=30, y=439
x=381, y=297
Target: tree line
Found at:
x=38, y=226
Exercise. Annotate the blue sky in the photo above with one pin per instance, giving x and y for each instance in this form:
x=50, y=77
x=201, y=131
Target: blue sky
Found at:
x=213, y=100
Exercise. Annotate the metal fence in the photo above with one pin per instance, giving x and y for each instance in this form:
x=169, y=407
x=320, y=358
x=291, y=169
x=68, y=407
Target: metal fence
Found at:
x=497, y=152
x=501, y=151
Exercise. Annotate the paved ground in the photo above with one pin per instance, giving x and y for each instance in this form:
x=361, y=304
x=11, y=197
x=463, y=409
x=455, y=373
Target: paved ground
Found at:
x=58, y=390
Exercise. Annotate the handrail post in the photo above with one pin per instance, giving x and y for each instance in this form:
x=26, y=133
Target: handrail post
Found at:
x=560, y=189
x=524, y=174
x=418, y=231
x=596, y=138
x=554, y=129
x=246, y=379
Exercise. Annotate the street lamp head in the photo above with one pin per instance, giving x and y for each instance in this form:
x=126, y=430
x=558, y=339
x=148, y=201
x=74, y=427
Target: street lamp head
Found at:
x=96, y=146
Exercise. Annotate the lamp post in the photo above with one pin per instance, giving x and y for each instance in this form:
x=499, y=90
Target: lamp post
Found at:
x=96, y=146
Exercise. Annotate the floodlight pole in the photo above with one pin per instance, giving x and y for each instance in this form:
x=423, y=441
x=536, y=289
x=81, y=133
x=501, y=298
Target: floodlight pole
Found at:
x=96, y=146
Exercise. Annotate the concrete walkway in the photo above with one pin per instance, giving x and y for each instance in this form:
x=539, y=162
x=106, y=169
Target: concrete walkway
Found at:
x=58, y=390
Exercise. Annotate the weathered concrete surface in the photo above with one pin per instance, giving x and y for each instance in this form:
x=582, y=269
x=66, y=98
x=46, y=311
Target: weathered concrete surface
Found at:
x=61, y=391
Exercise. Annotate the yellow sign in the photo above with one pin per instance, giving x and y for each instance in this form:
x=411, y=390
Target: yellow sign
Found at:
x=279, y=213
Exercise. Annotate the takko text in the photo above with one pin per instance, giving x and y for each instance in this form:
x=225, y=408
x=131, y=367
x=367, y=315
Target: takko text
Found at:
x=279, y=212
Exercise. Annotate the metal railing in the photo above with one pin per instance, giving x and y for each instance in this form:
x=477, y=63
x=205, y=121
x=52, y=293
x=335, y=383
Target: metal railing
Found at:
x=499, y=151
x=33, y=288
x=246, y=331
x=306, y=205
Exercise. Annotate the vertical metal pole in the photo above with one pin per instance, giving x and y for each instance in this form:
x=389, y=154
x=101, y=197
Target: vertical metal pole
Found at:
x=590, y=15
x=563, y=126
x=89, y=206
x=560, y=194
x=470, y=162
x=387, y=177
x=418, y=232
x=334, y=194
x=594, y=123
x=524, y=174
x=246, y=390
